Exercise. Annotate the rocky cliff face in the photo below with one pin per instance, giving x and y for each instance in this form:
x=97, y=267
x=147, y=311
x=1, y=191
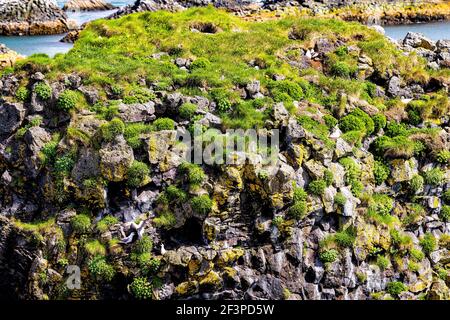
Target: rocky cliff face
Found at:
x=354, y=205
x=87, y=5
x=32, y=17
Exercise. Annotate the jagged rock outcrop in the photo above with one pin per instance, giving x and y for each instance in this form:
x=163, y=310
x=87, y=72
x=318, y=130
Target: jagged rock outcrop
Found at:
x=8, y=57
x=32, y=17
x=87, y=5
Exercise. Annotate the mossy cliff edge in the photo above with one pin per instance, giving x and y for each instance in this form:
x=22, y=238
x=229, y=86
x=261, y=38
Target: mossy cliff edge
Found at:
x=357, y=206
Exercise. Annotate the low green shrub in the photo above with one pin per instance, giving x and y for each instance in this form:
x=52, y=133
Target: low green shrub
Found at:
x=443, y=156
x=187, y=110
x=43, y=91
x=112, y=129
x=101, y=270
x=163, y=124
x=106, y=222
x=67, y=100
x=317, y=187
x=143, y=245
x=445, y=213
x=428, y=243
x=141, y=288
x=434, y=176
x=22, y=94
x=202, y=204
x=382, y=262
x=328, y=256
x=80, y=223
x=381, y=172
x=416, y=183
x=138, y=174
x=395, y=288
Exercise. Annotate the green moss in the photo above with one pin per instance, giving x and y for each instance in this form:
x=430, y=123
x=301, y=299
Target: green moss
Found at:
x=434, y=176
x=175, y=194
x=317, y=129
x=395, y=288
x=165, y=219
x=95, y=248
x=104, y=224
x=194, y=173
x=187, y=110
x=379, y=121
x=133, y=131
x=428, y=243
x=443, y=156
x=329, y=256
x=49, y=150
x=143, y=245
x=201, y=204
x=382, y=262
x=351, y=123
x=330, y=121
x=446, y=196
x=138, y=174
x=109, y=131
x=298, y=209
x=352, y=175
x=380, y=205
x=317, y=187
x=139, y=95
x=22, y=94
x=340, y=199
x=163, y=124
x=101, y=270
x=81, y=223
x=416, y=183
x=381, y=172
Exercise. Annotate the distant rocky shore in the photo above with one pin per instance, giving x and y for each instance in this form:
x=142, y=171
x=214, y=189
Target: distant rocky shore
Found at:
x=32, y=17
x=40, y=17
x=383, y=12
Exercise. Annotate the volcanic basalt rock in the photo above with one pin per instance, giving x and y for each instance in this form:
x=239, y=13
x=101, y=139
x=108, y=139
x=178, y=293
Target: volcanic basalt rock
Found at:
x=32, y=17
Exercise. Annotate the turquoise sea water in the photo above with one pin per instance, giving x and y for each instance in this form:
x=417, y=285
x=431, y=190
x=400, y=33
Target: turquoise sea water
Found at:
x=50, y=45
x=435, y=30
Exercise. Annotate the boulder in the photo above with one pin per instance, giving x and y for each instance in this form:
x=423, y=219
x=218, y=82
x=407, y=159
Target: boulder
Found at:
x=418, y=40
x=11, y=117
x=35, y=138
x=137, y=112
x=115, y=159
x=403, y=170
x=8, y=57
